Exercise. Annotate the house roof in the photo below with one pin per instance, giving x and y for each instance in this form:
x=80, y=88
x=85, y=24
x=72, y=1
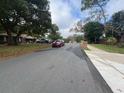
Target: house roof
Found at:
x=23, y=35
x=5, y=34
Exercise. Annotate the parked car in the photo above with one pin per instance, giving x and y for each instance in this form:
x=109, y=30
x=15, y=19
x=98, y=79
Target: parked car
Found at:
x=42, y=41
x=58, y=43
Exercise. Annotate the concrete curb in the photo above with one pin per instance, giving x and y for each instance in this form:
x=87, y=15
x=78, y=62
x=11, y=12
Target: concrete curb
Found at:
x=96, y=75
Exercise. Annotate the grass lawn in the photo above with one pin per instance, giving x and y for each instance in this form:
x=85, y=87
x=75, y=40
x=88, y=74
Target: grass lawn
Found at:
x=109, y=48
x=11, y=51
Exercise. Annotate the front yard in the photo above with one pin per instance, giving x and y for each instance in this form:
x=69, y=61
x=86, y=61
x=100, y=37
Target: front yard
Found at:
x=109, y=48
x=13, y=51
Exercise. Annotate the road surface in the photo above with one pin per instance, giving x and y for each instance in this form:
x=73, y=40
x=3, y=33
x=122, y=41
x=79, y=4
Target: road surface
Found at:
x=63, y=70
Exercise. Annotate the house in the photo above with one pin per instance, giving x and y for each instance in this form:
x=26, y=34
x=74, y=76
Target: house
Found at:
x=24, y=38
x=3, y=38
x=27, y=39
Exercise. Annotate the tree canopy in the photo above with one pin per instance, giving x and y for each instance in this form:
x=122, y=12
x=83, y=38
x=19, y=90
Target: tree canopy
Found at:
x=54, y=34
x=97, y=9
x=93, y=31
x=25, y=16
x=118, y=21
x=115, y=26
x=54, y=28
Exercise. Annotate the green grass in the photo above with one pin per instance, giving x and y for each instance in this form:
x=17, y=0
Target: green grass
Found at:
x=109, y=48
x=10, y=51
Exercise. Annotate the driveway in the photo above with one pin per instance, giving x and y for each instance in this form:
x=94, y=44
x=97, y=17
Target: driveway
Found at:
x=63, y=70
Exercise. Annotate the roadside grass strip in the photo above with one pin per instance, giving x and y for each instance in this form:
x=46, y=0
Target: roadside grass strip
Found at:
x=13, y=51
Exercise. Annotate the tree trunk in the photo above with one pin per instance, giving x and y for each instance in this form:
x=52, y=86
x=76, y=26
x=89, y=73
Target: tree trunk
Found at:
x=104, y=16
x=8, y=31
x=17, y=38
x=10, y=38
x=95, y=40
x=122, y=38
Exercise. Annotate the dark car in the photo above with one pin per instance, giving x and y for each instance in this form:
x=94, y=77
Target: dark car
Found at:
x=42, y=41
x=58, y=43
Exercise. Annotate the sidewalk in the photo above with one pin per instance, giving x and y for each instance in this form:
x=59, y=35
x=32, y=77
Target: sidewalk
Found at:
x=110, y=66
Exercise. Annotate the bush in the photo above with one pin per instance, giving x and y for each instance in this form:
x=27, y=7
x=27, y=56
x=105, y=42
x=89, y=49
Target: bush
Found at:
x=111, y=41
x=121, y=45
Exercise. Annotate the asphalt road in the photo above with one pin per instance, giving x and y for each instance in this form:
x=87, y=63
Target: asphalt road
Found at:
x=63, y=70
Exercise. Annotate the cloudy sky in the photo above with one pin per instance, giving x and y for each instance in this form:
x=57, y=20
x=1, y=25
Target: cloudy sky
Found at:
x=65, y=13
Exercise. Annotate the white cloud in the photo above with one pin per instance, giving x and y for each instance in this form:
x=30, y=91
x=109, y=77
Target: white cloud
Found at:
x=76, y=4
x=66, y=33
x=114, y=6
x=61, y=11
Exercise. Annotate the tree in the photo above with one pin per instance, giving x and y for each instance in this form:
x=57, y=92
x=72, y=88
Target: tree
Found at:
x=93, y=31
x=96, y=7
x=54, y=28
x=77, y=27
x=70, y=39
x=24, y=16
x=12, y=13
x=79, y=38
x=40, y=18
x=54, y=34
x=116, y=26
x=1, y=29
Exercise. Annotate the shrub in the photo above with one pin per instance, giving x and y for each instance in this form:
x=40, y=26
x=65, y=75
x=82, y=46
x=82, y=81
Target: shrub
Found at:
x=121, y=45
x=111, y=41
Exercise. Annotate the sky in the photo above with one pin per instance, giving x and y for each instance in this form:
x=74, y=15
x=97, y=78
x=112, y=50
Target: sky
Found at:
x=65, y=13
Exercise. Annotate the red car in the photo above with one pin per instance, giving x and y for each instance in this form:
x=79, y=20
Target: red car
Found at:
x=58, y=43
